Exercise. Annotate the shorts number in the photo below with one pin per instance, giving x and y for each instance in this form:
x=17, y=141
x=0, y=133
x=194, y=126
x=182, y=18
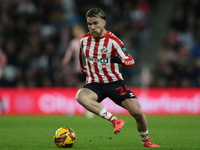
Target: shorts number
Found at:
x=122, y=92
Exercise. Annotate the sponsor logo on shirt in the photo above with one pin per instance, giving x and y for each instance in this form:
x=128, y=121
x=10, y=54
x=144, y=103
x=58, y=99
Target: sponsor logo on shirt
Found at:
x=101, y=60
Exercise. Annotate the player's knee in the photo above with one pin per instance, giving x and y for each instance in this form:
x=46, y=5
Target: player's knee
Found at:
x=79, y=98
x=138, y=115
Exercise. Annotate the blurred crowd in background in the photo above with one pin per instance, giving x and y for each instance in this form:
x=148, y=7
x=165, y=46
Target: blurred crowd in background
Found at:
x=179, y=59
x=35, y=35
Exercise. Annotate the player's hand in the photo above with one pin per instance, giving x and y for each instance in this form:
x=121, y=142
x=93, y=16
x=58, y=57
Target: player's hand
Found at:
x=116, y=59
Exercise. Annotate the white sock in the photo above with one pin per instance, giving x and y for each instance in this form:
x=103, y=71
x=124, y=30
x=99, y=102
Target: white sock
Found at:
x=144, y=136
x=107, y=115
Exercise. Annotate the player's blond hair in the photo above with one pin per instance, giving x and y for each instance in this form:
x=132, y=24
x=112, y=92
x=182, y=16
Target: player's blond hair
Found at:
x=96, y=12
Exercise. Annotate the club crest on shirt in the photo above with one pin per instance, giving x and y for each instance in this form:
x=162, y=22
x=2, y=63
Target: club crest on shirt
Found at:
x=104, y=50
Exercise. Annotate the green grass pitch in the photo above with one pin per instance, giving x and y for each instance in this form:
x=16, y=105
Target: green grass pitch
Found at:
x=36, y=133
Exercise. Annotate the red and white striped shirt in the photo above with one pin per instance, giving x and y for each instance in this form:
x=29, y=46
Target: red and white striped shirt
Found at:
x=98, y=53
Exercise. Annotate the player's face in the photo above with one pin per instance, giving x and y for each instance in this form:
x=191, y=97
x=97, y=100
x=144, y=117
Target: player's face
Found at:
x=96, y=26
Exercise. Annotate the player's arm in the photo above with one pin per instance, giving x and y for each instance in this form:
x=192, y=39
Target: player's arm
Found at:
x=123, y=57
x=82, y=60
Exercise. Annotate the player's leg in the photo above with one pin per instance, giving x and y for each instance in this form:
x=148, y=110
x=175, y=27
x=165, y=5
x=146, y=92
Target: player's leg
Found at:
x=88, y=99
x=134, y=108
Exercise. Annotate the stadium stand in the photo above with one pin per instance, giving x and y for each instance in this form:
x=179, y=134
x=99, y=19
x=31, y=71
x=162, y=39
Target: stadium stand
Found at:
x=35, y=34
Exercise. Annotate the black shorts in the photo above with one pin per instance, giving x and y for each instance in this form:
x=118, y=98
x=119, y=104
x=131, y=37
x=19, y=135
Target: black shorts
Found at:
x=116, y=91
